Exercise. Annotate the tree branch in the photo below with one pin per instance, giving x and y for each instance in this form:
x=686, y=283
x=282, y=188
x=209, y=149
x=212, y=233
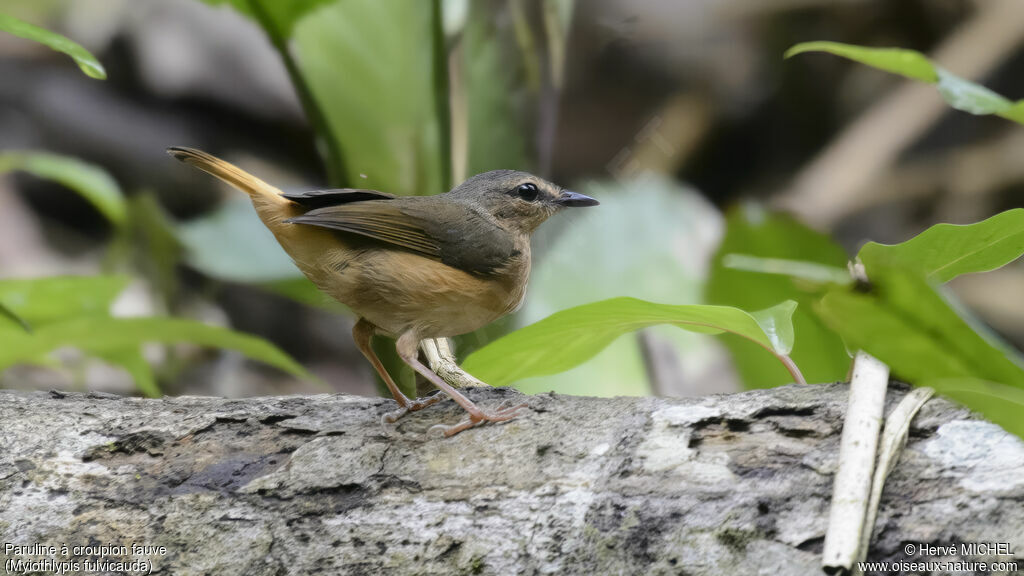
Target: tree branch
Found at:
x=735, y=484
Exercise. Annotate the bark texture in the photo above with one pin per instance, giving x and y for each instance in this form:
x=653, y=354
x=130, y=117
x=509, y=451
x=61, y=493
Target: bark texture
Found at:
x=736, y=484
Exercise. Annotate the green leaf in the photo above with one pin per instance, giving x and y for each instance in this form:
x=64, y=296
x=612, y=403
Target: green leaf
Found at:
x=90, y=181
x=961, y=94
x=570, y=337
x=231, y=243
x=630, y=245
x=86, y=61
x=14, y=318
x=285, y=13
x=907, y=324
x=103, y=336
x=998, y=403
x=946, y=251
x=970, y=97
x=373, y=72
x=777, y=324
x=909, y=63
x=42, y=301
x=756, y=233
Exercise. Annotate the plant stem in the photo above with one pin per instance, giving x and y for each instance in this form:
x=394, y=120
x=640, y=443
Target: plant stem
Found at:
x=794, y=370
x=857, y=446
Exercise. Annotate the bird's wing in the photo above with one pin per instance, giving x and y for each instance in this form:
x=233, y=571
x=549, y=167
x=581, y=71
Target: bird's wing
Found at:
x=449, y=232
x=321, y=198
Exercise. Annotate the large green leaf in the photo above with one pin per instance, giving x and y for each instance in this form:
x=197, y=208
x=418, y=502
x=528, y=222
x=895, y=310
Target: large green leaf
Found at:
x=90, y=181
x=86, y=61
x=946, y=251
x=570, y=337
x=372, y=78
x=374, y=73
x=644, y=241
x=104, y=336
x=41, y=301
x=758, y=234
x=959, y=93
x=231, y=243
x=910, y=326
x=284, y=13
x=13, y=318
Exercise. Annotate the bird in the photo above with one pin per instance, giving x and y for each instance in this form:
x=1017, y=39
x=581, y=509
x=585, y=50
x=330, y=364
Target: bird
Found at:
x=411, y=267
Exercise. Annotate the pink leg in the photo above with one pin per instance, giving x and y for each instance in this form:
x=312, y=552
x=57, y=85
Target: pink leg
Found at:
x=407, y=345
x=362, y=332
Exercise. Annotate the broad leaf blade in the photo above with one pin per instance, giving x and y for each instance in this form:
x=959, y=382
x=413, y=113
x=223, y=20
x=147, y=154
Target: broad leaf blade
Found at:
x=946, y=251
x=568, y=338
x=13, y=318
x=103, y=336
x=231, y=243
x=908, y=63
x=90, y=181
x=642, y=242
x=86, y=61
x=777, y=324
x=373, y=73
x=969, y=97
x=752, y=231
x=42, y=301
x=284, y=13
x=907, y=324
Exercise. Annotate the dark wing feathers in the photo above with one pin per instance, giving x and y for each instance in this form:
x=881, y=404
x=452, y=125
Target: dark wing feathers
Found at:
x=433, y=226
x=320, y=198
x=378, y=220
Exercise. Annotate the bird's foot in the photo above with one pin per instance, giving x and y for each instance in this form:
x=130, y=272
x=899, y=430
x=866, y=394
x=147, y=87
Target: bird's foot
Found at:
x=500, y=414
x=411, y=406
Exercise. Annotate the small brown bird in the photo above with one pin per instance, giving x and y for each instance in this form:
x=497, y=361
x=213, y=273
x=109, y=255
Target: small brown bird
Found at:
x=411, y=267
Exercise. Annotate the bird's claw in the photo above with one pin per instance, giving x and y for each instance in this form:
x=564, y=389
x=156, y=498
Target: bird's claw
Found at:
x=411, y=406
x=498, y=415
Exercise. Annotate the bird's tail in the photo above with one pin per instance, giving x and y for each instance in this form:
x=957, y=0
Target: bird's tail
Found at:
x=257, y=189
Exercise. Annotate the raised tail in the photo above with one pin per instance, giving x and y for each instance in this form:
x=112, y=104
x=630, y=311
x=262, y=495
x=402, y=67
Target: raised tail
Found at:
x=233, y=175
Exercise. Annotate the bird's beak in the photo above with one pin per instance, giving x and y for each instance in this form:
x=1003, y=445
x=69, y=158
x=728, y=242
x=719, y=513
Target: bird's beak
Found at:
x=568, y=198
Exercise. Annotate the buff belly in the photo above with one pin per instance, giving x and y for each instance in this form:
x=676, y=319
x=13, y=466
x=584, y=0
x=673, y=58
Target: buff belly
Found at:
x=400, y=291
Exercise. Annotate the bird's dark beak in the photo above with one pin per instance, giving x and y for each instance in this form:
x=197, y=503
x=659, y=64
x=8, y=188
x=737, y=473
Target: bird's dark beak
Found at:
x=575, y=199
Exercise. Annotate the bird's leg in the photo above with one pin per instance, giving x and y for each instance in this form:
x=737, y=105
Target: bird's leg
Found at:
x=407, y=345
x=362, y=332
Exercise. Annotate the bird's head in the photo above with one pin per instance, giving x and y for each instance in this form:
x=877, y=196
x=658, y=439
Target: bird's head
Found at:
x=519, y=201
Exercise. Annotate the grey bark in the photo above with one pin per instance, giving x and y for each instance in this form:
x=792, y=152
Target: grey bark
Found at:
x=736, y=484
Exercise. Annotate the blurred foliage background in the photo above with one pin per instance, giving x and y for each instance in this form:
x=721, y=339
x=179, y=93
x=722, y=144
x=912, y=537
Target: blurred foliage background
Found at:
x=682, y=118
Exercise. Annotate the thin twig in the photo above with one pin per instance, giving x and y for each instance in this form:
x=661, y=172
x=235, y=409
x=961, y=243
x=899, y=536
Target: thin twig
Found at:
x=894, y=438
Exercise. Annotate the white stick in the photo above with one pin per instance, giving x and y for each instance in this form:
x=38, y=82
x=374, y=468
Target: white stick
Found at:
x=859, y=441
x=894, y=438
x=442, y=361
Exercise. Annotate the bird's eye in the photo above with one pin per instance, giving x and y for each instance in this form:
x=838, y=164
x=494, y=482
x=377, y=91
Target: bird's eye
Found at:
x=527, y=191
